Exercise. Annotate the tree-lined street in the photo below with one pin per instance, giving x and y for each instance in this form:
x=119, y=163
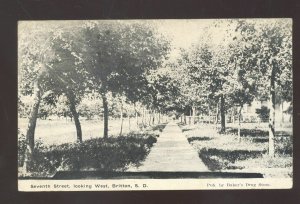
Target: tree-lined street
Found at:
x=83, y=80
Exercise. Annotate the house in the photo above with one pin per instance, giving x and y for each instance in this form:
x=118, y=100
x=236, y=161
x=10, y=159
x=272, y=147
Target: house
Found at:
x=281, y=111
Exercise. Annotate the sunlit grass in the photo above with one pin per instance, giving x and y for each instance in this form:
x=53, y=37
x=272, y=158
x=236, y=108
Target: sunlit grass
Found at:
x=228, y=152
x=64, y=131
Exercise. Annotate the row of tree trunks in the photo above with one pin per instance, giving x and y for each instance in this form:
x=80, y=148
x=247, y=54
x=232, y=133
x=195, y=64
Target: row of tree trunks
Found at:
x=219, y=109
x=148, y=117
x=30, y=133
x=156, y=117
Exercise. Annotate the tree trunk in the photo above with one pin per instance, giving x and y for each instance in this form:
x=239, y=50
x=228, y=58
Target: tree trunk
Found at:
x=75, y=114
x=121, y=118
x=105, y=113
x=31, y=127
x=217, y=114
x=193, y=115
x=222, y=110
x=136, y=117
x=239, y=126
x=272, y=114
x=158, y=117
x=129, y=128
x=149, y=118
x=144, y=118
x=153, y=117
x=282, y=114
x=232, y=116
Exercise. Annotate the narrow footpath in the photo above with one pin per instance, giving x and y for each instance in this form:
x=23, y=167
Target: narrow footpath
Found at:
x=173, y=153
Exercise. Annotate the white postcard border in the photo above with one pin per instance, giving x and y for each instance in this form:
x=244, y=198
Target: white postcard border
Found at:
x=154, y=184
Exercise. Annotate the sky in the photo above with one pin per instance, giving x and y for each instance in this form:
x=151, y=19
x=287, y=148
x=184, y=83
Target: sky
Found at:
x=183, y=33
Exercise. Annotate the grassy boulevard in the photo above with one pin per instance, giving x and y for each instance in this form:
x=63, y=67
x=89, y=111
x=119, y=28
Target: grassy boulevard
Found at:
x=112, y=154
x=227, y=152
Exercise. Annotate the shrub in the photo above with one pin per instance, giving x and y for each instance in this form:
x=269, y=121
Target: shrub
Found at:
x=191, y=139
x=111, y=154
x=217, y=159
x=249, y=132
x=21, y=147
x=263, y=113
x=284, y=145
x=159, y=127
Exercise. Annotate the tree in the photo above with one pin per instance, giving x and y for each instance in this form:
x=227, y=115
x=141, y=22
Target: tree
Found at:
x=163, y=91
x=269, y=45
x=66, y=75
x=90, y=106
x=46, y=58
x=241, y=84
x=34, y=51
x=208, y=68
x=115, y=55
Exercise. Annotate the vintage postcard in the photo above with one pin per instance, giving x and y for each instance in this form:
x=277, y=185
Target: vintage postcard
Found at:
x=114, y=105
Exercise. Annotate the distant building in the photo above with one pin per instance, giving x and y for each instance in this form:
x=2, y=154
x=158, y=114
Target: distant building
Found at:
x=281, y=111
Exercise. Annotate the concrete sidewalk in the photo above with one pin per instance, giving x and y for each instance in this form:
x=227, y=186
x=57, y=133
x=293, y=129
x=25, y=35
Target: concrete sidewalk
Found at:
x=172, y=152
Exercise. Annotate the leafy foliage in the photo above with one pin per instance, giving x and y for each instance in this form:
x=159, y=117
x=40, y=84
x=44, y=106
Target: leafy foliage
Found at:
x=263, y=113
x=112, y=154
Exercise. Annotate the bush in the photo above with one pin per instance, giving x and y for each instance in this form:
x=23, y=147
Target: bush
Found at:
x=159, y=127
x=218, y=159
x=263, y=113
x=284, y=145
x=21, y=147
x=248, y=132
x=191, y=139
x=111, y=154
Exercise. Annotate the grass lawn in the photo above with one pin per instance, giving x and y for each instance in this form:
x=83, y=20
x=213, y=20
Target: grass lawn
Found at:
x=58, y=132
x=226, y=152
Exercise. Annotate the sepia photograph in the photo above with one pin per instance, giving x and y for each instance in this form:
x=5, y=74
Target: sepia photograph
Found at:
x=155, y=104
